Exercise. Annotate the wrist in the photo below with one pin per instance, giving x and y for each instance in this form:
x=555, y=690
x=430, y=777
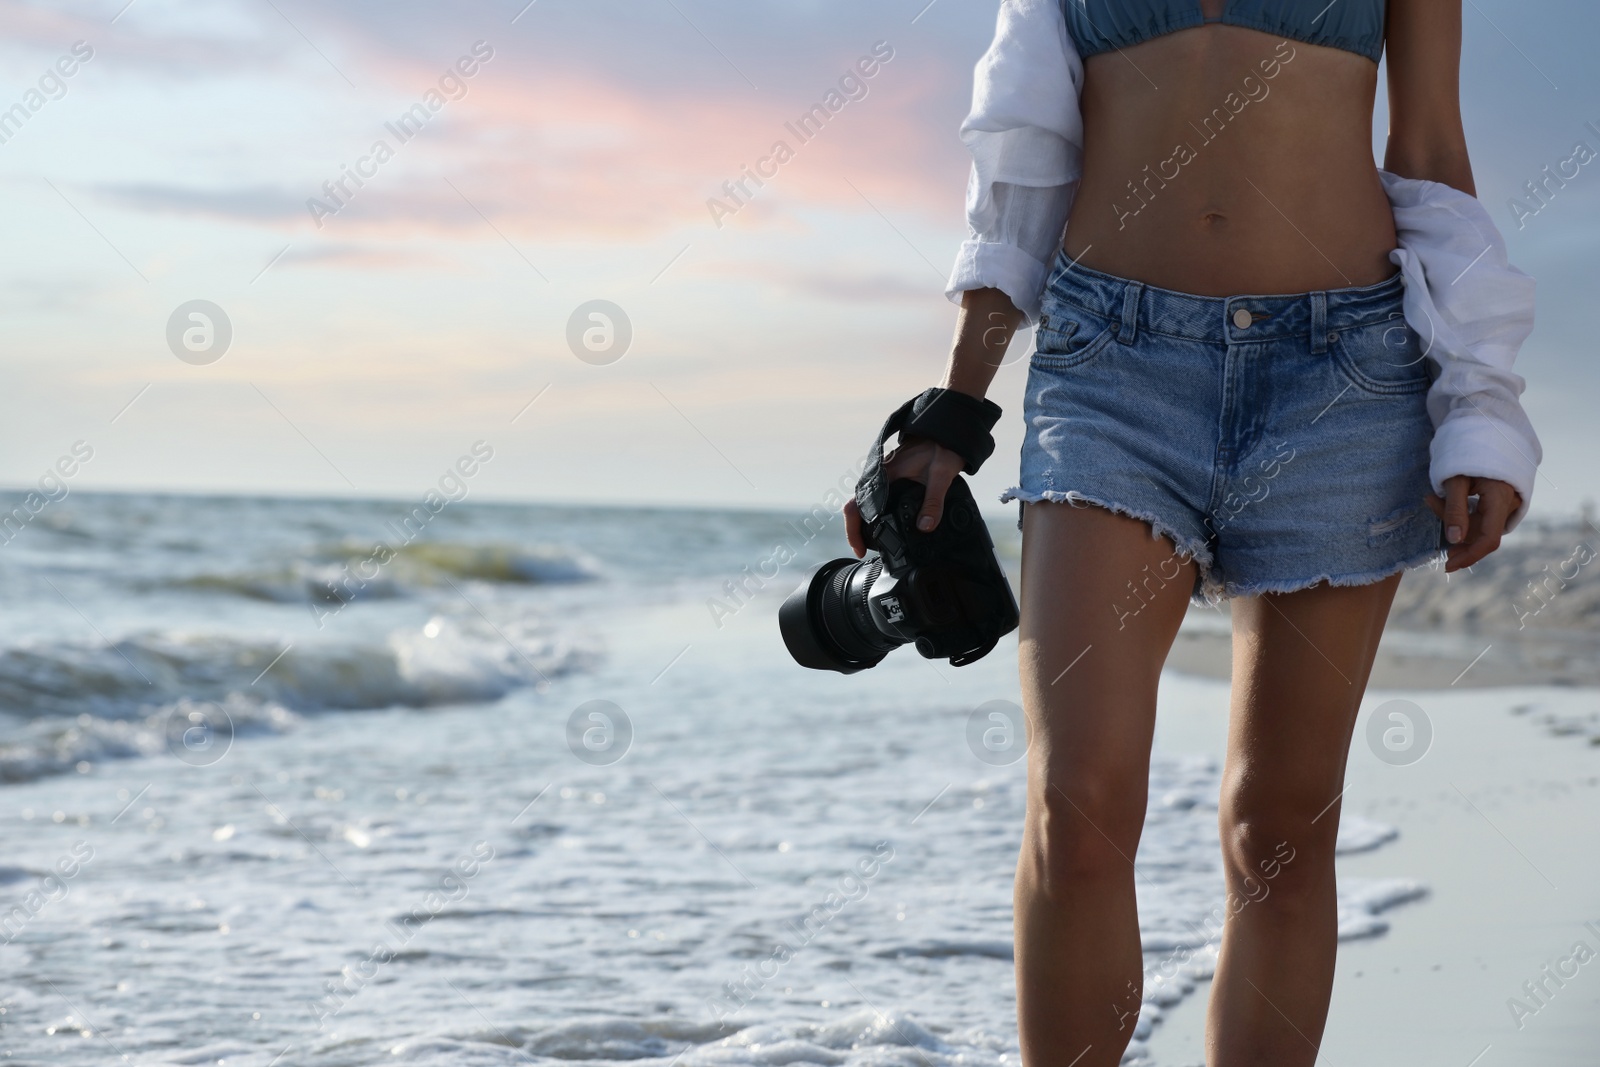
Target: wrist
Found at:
x=984, y=330
x=957, y=420
x=970, y=371
x=958, y=384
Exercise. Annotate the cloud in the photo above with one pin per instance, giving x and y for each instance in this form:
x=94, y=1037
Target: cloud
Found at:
x=841, y=284
x=215, y=39
x=365, y=257
x=566, y=157
x=253, y=203
x=65, y=296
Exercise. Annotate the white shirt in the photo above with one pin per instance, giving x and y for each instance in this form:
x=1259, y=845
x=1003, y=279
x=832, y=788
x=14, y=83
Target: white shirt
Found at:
x=1469, y=305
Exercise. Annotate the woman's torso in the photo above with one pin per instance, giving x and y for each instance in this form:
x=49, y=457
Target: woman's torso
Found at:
x=1221, y=160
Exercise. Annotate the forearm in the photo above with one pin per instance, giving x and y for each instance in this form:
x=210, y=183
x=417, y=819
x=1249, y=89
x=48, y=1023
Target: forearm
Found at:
x=1426, y=138
x=984, y=327
x=1445, y=161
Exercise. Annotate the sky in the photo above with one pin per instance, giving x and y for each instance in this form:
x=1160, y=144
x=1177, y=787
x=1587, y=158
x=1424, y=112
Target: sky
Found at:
x=442, y=297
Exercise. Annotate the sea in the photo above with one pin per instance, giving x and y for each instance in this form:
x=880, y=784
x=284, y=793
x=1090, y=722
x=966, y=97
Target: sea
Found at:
x=324, y=782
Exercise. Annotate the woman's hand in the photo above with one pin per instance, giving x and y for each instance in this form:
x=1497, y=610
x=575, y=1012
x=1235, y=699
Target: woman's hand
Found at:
x=1473, y=536
x=984, y=328
x=922, y=461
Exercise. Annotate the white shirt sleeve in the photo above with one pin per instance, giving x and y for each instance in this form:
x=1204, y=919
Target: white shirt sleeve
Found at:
x=1473, y=310
x=1025, y=134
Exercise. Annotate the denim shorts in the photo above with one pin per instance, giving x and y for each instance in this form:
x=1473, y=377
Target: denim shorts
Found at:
x=1279, y=441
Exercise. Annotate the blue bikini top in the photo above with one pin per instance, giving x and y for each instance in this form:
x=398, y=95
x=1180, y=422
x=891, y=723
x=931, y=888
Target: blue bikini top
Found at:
x=1102, y=25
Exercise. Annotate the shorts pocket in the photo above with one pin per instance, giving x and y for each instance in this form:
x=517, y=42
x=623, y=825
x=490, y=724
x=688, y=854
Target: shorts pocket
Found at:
x=1385, y=358
x=1068, y=336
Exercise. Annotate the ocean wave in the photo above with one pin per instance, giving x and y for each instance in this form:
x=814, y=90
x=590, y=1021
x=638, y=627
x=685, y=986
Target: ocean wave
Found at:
x=334, y=574
x=498, y=562
x=48, y=747
x=860, y=1036
x=295, y=582
x=447, y=661
x=1357, y=833
x=1361, y=900
x=940, y=949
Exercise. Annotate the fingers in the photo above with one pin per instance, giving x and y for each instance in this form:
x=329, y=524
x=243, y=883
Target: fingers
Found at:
x=1456, y=491
x=921, y=461
x=941, y=472
x=852, y=528
x=1496, y=501
x=910, y=459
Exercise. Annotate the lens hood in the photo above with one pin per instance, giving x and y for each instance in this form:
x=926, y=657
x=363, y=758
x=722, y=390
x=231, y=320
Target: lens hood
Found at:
x=804, y=624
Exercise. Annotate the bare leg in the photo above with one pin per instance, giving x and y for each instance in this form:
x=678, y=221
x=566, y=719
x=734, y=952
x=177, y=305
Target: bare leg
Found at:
x=1300, y=666
x=1091, y=656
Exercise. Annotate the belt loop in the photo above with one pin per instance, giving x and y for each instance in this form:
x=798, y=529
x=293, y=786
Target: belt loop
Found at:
x=1128, y=332
x=1319, y=322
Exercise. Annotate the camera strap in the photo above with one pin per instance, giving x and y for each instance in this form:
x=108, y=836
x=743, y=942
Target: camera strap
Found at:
x=954, y=420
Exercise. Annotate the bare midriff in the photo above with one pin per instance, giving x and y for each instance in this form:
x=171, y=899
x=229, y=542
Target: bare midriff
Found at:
x=1223, y=161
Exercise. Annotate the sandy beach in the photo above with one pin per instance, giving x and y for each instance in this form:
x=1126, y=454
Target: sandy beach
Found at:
x=1497, y=820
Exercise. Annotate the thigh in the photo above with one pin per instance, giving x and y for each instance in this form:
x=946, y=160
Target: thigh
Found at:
x=1300, y=667
x=1101, y=602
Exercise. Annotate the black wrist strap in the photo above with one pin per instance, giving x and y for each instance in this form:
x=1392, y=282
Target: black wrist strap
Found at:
x=957, y=421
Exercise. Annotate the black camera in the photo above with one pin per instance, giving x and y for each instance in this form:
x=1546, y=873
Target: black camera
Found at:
x=942, y=590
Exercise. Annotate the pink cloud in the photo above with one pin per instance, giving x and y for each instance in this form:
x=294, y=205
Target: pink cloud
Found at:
x=564, y=155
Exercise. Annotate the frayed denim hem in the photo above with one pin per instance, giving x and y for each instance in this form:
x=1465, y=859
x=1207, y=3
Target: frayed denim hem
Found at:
x=1188, y=547
x=1210, y=590
x=1223, y=590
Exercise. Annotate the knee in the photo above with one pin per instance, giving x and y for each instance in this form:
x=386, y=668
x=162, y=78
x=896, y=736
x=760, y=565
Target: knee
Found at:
x=1084, y=827
x=1278, y=843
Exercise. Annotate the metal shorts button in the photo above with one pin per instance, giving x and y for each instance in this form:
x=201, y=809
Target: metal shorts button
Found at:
x=1242, y=318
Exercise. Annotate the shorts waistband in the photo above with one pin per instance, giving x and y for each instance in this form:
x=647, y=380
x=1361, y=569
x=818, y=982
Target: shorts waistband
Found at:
x=1223, y=319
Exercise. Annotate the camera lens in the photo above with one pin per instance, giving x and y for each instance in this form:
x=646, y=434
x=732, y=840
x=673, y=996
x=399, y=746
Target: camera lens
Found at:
x=826, y=623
